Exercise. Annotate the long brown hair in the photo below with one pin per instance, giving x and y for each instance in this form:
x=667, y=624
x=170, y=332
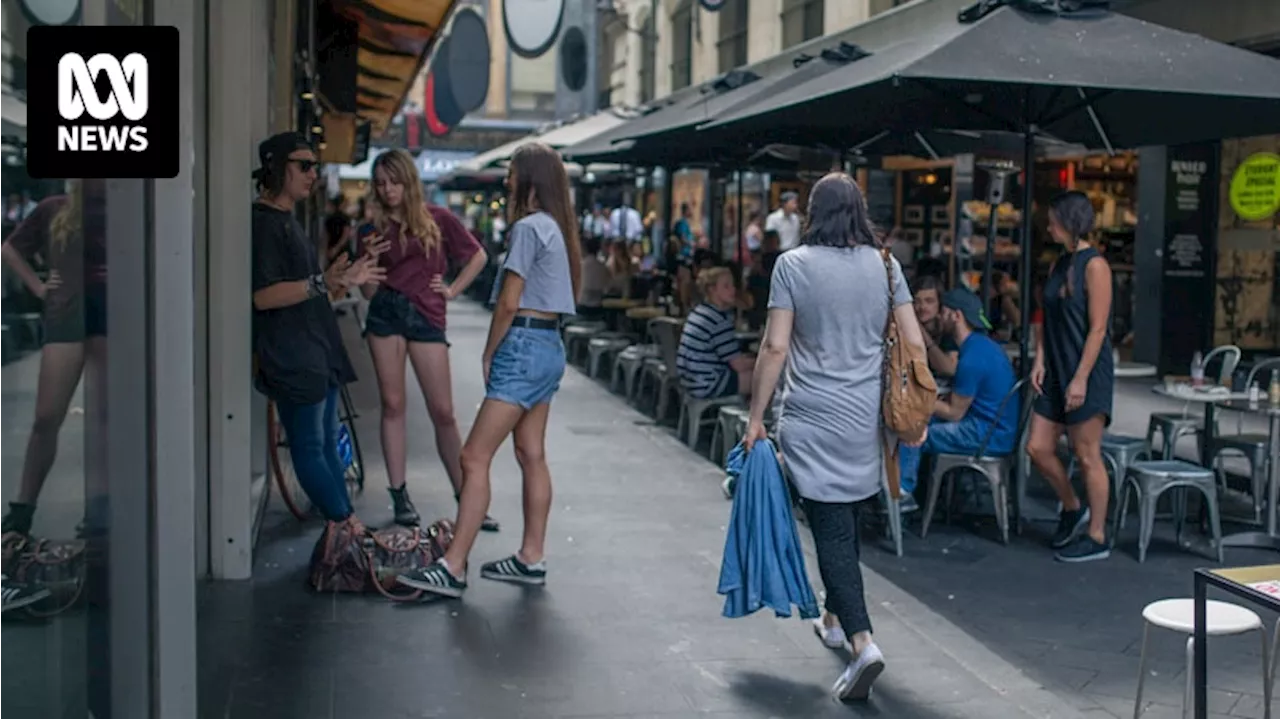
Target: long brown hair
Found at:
x=417, y=222
x=539, y=182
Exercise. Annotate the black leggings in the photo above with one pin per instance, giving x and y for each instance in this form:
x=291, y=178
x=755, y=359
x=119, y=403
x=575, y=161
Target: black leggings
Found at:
x=835, y=536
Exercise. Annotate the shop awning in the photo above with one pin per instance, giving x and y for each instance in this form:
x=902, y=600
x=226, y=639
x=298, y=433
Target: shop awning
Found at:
x=394, y=38
x=558, y=137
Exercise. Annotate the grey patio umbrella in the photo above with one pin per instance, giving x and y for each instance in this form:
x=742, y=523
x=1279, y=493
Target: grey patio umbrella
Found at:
x=1070, y=68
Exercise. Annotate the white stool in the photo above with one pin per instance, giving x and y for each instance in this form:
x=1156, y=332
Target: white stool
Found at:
x=1221, y=619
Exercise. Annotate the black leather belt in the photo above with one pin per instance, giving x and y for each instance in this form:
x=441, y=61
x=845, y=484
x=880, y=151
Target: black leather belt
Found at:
x=535, y=323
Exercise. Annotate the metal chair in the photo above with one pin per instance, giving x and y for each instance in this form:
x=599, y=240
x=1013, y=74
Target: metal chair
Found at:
x=1152, y=479
x=1118, y=452
x=599, y=347
x=731, y=427
x=662, y=369
x=693, y=412
x=626, y=368
x=995, y=468
x=1254, y=447
x=1172, y=426
x=577, y=336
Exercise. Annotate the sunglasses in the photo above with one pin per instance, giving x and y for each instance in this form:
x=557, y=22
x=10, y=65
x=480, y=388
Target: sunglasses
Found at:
x=306, y=165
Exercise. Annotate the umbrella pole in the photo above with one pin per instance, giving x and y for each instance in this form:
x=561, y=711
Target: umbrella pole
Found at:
x=1024, y=284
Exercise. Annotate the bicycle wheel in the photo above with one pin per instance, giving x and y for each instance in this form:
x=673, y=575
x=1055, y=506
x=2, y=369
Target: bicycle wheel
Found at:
x=282, y=467
x=355, y=464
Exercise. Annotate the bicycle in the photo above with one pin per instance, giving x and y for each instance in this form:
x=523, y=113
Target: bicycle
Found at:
x=349, y=451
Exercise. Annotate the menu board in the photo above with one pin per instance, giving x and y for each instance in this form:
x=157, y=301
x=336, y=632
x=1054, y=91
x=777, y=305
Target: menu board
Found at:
x=1190, y=213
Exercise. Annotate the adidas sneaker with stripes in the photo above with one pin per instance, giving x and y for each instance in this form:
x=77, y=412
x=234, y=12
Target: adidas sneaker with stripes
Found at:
x=513, y=570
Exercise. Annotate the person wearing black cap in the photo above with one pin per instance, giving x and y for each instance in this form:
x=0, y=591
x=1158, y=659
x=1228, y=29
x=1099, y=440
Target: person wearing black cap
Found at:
x=301, y=363
x=976, y=409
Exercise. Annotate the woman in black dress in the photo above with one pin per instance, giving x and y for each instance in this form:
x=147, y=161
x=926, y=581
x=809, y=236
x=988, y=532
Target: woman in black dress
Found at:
x=1074, y=377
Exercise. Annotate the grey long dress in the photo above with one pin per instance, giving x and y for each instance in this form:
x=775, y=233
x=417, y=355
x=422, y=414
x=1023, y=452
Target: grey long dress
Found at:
x=830, y=391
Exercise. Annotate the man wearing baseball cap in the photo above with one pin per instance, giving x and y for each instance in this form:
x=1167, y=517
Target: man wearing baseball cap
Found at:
x=984, y=376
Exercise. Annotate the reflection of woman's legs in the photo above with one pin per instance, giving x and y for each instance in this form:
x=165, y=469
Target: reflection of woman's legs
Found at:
x=431, y=366
x=95, y=431
x=493, y=424
x=1086, y=442
x=530, y=444
x=1042, y=448
x=388, y=364
x=61, y=364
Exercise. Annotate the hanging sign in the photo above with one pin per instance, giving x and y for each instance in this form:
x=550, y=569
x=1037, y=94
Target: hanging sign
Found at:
x=531, y=25
x=468, y=59
x=712, y=5
x=51, y=12
x=1255, y=187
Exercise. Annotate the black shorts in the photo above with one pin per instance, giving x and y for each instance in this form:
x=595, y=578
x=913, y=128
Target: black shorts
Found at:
x=1052, y=405
x=392, y=314
x=86, y=317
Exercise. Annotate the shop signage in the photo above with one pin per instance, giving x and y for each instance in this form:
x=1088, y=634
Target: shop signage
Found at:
x=1188, y=288
x=531, y=25
x=468, y=59
x=51, y=12
x=1255, y=187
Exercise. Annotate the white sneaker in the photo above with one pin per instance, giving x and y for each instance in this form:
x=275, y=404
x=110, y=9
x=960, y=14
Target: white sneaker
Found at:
x=832, y=637
x=856, y=681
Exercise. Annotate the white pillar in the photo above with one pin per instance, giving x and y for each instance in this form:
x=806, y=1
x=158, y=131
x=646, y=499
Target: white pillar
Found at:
x=230, y=162
x=173, y=386
x=634, y=37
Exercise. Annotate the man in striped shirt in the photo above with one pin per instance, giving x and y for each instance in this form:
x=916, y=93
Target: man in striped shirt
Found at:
x=709, y=361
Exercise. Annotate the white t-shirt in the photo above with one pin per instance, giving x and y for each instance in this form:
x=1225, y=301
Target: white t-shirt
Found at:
x=626, y=223
x=787, y=227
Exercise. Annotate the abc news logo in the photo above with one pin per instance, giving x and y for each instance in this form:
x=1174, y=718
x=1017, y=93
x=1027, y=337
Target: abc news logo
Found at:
x=102, y=102
x=78, y=95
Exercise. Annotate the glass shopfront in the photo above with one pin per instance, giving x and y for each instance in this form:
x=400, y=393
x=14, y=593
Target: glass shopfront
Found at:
x=77, y=487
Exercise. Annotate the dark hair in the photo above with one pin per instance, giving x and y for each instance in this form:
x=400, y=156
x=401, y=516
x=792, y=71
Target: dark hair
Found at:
x=591, y=245
x=925, y=283
x=274, y=165
x=539, y=176
x=837, y=214
x=1074, y=212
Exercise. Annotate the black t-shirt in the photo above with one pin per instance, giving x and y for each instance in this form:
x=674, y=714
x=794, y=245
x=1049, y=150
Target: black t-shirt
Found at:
x=299, y=348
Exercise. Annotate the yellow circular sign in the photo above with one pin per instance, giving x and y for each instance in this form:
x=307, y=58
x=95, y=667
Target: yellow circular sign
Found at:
x=1255, y=187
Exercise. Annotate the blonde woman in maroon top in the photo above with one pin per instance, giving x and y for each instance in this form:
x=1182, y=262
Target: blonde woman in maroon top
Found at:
x=406, y=317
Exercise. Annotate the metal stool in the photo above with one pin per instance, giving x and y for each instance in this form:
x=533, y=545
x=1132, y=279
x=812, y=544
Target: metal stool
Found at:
x=577, y=336
x=1150, y=480
x=627, y=367
x=1118, y=452
x=692, y=410
x=1221, y=619
x=730, y=428
x=598, y=347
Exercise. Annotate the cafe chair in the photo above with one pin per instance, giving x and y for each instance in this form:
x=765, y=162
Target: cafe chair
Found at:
x=997, y=469
x=1173, y=426
x=1118, y=452
x=1149, y=480
x=1221, y=619
x=1254, y=447
x=600, y=347
x=662, y=369
x=693, y=415
x=731, y=427
x=627, y=366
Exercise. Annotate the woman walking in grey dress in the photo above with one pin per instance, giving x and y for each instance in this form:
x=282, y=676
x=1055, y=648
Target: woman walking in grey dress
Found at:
x=827, y=311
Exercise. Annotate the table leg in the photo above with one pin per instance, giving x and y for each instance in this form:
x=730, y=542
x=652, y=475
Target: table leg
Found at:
x=1273, y=475
x=1207, y=434
x=1201, y=662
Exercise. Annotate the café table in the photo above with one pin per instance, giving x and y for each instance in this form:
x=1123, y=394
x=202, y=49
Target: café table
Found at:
x=1252, y=584
x=1209, y=396
x=1270, y=539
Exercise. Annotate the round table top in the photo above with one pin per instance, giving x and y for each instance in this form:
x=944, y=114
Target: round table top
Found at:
x=1262, y=407
x=645, y=313
x=1135, y=369
x=1206, y=393
x=619, y=303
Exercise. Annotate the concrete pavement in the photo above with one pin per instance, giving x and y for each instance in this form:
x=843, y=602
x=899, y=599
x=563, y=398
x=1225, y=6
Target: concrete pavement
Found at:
x=629, y=624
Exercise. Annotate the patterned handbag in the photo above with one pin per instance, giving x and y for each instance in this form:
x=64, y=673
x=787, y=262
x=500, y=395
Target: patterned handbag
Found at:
x=349, y=558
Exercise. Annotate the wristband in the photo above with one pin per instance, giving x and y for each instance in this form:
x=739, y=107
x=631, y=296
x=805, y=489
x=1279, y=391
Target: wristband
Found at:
x=316, y=285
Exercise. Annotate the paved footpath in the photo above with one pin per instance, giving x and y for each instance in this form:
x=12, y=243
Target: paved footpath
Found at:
x=629, y=624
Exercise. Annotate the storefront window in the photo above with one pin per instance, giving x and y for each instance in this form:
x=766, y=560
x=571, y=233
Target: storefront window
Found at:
x=64, y=600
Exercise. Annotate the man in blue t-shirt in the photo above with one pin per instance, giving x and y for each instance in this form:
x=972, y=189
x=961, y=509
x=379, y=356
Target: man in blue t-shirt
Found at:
x=983, y=379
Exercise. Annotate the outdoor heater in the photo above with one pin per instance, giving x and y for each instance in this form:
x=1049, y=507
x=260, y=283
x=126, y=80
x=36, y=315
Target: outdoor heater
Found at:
x=998, y=171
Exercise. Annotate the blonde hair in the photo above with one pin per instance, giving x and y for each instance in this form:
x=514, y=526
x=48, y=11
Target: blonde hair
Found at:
x=416, y=221
x=710, y=277
x=68, y=223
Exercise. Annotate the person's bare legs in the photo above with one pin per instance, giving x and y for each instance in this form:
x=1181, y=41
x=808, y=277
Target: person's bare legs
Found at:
x=1086, y=442
x=1042, y=447
x=61, y=365
x=531, y=454
x=431, y=366
x=388, y=364
x=493, y=424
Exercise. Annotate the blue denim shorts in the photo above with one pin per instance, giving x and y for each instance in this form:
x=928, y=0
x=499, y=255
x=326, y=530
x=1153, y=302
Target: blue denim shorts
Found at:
x=527, y=367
